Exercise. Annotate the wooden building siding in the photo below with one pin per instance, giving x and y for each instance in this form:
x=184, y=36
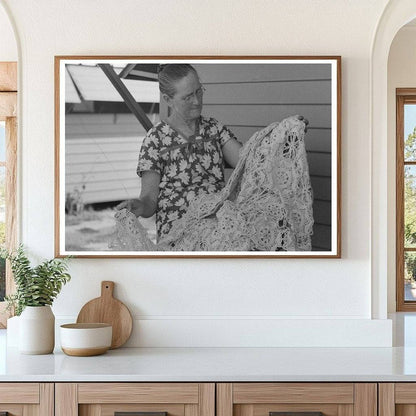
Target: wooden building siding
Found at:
x=101, y=152
x=248, y=97
x=255, y=72
x=86, y=125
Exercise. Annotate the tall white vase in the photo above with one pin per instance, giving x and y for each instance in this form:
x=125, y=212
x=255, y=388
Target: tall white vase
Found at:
x=37, y=330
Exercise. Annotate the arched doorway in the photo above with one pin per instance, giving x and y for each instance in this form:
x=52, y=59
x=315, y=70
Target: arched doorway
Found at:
x=8, y=149
x=396, y=14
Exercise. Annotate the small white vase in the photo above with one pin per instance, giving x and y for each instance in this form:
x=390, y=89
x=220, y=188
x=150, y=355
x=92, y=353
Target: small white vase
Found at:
x=13, y=331
x=37, y=330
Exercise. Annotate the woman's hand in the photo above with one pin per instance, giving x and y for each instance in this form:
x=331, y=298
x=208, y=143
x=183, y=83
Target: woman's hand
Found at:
x=136, y=206
x=146, y=205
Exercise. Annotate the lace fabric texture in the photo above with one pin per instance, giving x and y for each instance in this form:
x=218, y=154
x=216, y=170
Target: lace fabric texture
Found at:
x=266, y=204
x=129, y=234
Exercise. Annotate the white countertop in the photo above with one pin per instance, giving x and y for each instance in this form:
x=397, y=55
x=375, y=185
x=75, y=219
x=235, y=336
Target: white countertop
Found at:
x=222, y=364
x=213, y=364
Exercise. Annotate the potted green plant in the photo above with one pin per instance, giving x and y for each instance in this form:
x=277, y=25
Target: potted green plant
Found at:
x=36, y=289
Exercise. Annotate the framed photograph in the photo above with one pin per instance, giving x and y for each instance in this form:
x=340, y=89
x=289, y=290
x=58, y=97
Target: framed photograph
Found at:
x=197, y=156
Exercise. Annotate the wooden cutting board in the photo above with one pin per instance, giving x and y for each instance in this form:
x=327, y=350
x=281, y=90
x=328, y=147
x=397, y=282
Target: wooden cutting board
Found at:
x=107, y=309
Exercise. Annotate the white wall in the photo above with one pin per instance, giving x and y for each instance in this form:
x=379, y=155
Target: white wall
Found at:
x=401, y=74
x=179, y=302
x=8, y=46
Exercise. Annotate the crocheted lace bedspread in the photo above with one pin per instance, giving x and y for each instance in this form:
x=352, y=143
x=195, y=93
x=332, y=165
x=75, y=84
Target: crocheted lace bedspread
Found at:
x=266, y=204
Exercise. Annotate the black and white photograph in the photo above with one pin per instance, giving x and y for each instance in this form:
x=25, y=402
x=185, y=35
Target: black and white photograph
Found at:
x=197, y=156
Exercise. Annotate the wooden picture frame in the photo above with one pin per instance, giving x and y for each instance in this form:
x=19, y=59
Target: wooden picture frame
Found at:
x=104, y=106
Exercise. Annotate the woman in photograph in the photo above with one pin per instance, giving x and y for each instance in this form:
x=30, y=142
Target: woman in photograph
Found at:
x=183, y=156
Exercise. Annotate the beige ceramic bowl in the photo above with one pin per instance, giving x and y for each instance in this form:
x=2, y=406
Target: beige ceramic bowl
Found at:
x=83, y=340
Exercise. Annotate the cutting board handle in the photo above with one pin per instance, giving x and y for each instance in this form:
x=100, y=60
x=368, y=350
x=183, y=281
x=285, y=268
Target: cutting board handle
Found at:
x=107, y=289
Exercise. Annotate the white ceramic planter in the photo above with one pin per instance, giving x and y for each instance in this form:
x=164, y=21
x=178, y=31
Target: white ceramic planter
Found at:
x=13, y=331
x=37, y=330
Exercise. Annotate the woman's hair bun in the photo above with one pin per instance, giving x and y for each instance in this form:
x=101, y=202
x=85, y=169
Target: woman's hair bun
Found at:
x=169, y=74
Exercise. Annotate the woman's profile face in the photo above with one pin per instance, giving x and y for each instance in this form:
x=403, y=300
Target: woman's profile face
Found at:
x=187, y=101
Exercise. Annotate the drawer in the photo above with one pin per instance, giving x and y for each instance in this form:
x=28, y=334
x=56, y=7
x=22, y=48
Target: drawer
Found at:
x=296, y=399
x=146, y=399
x=21, y=399
x=397, y=399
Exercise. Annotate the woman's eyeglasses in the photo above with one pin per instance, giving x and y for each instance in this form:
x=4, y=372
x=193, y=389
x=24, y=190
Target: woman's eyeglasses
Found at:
x=198, y=93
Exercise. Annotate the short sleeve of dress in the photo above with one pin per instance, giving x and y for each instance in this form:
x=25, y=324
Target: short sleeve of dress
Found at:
x=149, y=155
x=224, y=132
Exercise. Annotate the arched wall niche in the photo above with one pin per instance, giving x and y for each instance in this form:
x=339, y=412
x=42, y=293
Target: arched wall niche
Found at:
x=400, y=74
x=9, y=52
x=396, y=14
x=9, y=45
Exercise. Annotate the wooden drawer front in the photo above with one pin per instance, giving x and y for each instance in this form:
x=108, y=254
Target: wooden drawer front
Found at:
x=104, y=399
x=264, y=409
x=110, y=409
x=19, y=393
x=397, y=399
x=12, y=409
x=405, y=393
x=293, y=393
x=138, y=393
x=332, y=399
x=27, y=399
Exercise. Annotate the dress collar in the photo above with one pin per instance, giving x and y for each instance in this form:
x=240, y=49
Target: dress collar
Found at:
x=180, y=136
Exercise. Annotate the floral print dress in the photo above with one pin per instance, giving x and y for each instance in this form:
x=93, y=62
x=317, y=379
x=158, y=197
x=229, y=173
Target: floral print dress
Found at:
x=187, y=167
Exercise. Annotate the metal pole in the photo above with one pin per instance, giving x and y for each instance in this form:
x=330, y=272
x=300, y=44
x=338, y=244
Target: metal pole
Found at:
x=133, y=106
